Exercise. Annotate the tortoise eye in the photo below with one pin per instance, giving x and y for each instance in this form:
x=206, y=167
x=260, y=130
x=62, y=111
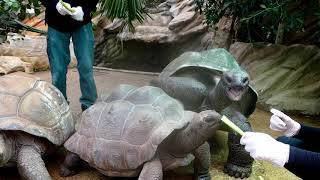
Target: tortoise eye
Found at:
x=228, y=79
x=245, y=80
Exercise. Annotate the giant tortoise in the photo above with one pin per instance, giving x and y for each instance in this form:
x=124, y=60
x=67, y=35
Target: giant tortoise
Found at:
x=141, y=131
x=213, y=80
x=34, y=117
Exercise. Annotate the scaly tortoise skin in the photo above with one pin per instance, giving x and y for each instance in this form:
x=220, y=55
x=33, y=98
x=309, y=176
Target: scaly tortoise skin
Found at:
x=213, y=80
x=34, y=117
x=141, y=131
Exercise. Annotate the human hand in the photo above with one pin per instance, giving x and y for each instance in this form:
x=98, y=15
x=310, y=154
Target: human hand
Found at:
x=263, y=147
x=63, y=10
x=77, y=13
x=283, y=123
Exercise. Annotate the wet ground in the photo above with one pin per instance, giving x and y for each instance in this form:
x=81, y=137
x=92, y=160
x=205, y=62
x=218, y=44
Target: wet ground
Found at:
x=107, y=80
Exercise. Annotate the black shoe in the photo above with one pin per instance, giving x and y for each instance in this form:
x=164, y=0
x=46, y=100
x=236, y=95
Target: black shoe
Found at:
x=83, y=107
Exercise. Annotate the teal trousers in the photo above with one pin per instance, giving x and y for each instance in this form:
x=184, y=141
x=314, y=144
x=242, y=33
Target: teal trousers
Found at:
x=59, y=59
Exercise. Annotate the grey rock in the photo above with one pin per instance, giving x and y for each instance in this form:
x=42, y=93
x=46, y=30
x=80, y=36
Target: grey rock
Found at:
x=286, y=77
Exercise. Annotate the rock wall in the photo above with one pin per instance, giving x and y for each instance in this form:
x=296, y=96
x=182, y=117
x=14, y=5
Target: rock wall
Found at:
x=172, y=27
x=29, y=49
x=285, y=77
x=10, y=64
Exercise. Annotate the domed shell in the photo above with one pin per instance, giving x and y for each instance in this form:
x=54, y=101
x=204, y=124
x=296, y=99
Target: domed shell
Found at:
x=122, y=133
x=216, y=61
x=34, y=106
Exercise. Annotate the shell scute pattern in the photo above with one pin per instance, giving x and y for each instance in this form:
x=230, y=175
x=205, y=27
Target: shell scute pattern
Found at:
x=129, y=128
x=34, y=106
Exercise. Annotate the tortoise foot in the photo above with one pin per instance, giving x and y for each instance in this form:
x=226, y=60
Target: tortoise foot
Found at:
x=206, y=176
x=64, y=172
x=237, y=171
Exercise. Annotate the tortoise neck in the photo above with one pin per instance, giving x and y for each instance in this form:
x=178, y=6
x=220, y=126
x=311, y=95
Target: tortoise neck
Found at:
x=217, y=98
x=6, y=148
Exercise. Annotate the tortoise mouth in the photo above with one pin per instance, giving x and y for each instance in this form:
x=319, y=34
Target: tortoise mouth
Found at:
x=236, y=93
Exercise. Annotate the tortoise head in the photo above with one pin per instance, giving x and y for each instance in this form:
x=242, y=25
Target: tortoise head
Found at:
x=207, y=122
x=199, y=129
x=203, y=124
x=235, y=84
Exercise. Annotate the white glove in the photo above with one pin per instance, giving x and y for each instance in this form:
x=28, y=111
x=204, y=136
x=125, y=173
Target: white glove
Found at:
x=283, y=123
x=263, y=147
x=77, y=13
x=62, y=10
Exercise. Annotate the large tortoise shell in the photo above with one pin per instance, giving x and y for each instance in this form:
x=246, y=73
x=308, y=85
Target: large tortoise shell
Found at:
x=124, y=131
x=34, y=106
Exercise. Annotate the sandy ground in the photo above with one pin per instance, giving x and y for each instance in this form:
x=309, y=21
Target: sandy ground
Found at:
x=106, y=81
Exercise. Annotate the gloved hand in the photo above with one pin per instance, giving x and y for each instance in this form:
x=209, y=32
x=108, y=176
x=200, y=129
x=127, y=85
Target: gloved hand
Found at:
x=263, y=147
x=62, y=10
x=283, y=123
x=77, y=13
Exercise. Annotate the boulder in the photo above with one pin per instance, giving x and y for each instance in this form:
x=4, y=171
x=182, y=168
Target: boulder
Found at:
x=171, y=28
x=10, y=64
x=31, y=49
x=285, y=77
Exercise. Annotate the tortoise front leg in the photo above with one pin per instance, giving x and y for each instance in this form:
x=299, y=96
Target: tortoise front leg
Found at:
x=239, y=162
x=152, y=170
x=6, y=149
x=202, y=162
x=31, y=165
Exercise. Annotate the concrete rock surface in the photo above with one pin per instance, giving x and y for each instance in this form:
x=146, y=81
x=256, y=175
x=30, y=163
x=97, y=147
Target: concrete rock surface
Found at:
x=30, y=49
x=172, y=28
x=10, y=64
x=285, y=77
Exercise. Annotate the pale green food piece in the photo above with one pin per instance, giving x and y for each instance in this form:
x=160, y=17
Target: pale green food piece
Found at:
x=67, y=6
x=232, y=125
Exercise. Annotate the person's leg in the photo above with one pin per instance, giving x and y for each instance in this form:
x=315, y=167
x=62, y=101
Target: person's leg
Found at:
x=59, y=57
x=83, y=42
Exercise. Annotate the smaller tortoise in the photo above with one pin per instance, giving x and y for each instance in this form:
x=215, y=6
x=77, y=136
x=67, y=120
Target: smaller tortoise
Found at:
x=34, y=116
x=141, y=130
